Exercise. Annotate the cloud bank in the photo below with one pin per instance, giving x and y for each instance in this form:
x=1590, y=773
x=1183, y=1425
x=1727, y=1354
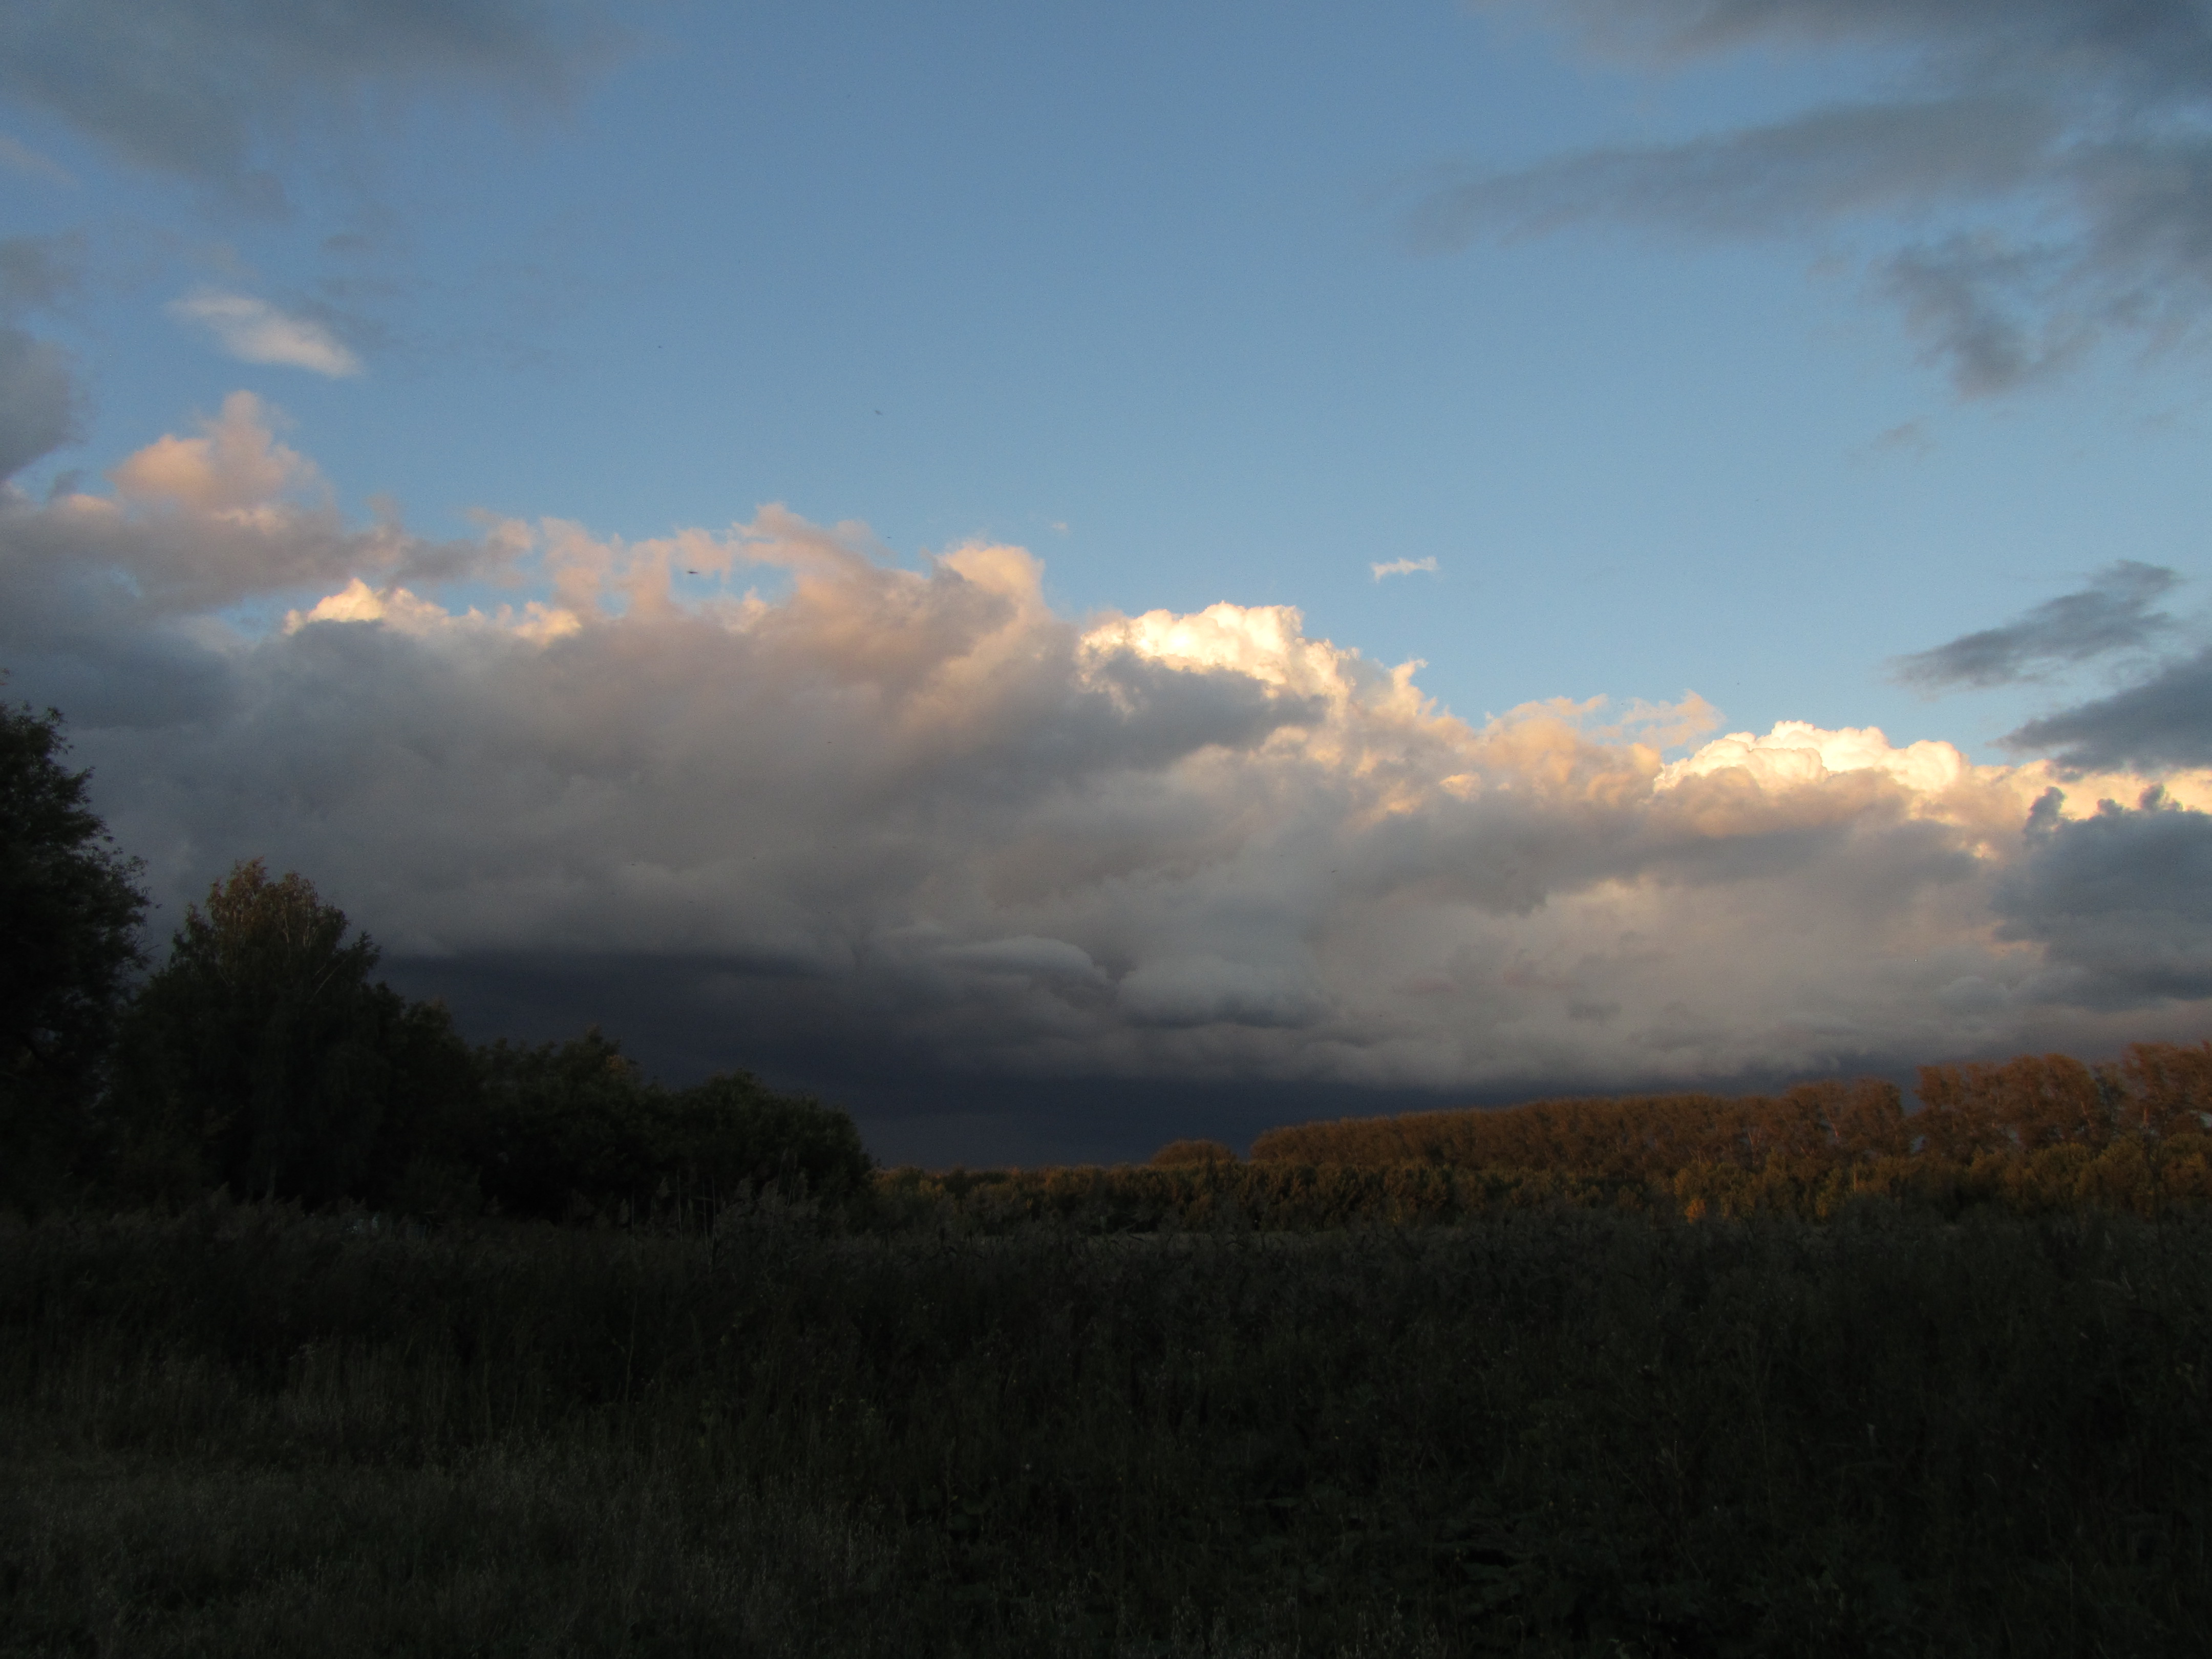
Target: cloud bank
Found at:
x=2024, y=179
x=846, y=807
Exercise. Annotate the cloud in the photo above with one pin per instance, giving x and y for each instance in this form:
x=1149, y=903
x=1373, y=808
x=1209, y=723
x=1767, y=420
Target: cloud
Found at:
x=189, y=87
x=20, y=157
x=2114, y=613
x=2122, y=901
x=37, y=399
x=255, y=332
x=2029, y=179
x=2164, y=721
x=915, y=824
x=37, y=389
x=1402, y=566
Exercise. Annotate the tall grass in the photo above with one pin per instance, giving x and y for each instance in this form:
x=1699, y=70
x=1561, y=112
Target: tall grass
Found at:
x=249, y=1432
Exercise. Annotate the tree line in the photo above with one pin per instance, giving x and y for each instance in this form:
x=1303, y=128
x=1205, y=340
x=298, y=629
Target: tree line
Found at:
x=2156, y=1093
x=261, y=1055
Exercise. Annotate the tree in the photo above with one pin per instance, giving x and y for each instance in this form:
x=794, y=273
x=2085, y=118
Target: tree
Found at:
x=261, y=1057
x=70, y=910
x=576, y=1129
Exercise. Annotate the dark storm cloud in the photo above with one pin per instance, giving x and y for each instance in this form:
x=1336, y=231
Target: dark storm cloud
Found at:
x=2083, y=120
x=2116, y=612
x=2166, y=721
x=2122, y=901
x=189, y=86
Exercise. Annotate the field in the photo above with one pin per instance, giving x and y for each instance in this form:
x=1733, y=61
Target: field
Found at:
x=1907, y=1429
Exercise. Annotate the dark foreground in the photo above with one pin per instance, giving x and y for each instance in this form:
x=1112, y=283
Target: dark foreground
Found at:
x=247, y=1432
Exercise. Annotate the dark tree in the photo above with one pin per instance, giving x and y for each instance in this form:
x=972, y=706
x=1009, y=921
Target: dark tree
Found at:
x=574, y=1130
x=262, y=1057
x=70, y=910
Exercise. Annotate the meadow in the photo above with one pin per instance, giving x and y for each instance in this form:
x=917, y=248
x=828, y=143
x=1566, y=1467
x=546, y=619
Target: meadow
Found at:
x=246, y=1429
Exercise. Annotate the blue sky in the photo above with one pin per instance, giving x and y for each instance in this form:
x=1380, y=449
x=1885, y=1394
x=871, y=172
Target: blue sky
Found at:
x=1684, y=382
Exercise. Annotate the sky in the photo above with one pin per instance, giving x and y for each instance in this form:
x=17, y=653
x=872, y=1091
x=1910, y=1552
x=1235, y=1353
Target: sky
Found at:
x=1068, y=576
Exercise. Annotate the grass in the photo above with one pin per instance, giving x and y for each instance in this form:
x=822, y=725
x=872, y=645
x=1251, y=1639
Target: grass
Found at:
x=244, y=1431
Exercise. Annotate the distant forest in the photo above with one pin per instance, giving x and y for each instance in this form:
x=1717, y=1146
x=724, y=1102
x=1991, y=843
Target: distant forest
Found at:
x=261, y=1057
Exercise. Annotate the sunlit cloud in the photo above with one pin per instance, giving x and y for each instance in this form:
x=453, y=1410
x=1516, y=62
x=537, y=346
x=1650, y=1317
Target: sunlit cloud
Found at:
x=1402, y=566
x=255, y=332
x=917, y=813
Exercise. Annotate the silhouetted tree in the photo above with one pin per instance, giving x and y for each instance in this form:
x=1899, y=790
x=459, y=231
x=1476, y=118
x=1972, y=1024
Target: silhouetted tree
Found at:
x=574, y=1130
x=261, y=1057
x=70, y=910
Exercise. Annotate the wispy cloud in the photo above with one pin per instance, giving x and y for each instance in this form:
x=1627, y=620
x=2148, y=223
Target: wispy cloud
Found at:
x=2116, y=612
x=2044, y=183
x=20, y=157
x=1402, y=566
x=255, y=332
x=191, y=86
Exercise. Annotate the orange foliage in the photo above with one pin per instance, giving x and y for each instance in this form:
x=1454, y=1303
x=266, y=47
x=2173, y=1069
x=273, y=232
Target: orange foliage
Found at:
x=1629, y=1136
x=2028, y=1105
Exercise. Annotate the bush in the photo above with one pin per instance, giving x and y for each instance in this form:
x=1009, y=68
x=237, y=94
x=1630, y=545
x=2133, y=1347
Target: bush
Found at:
x=574, y=1131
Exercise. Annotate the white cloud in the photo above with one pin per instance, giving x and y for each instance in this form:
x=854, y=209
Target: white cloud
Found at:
x=1402, y=566
x=255, y=332
x=920, y=814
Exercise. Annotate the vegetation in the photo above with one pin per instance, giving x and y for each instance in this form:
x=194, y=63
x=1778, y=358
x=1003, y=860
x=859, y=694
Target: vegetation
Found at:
x=320, y=1330
x=69, y=909
x=252, y=1430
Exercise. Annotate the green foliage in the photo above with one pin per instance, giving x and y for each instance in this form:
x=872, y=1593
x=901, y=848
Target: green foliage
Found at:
x=261, y=1057
x=70, y=910
x=1547, y=1433
x=574, y=1131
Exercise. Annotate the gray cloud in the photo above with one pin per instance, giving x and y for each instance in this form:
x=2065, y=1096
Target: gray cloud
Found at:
x=2116, y=612
x=2084, y=119
x=37, y=399
x=2166, y=721
x=2122, y=901
x=189, y=87
x=911, y=824
x=38, y=390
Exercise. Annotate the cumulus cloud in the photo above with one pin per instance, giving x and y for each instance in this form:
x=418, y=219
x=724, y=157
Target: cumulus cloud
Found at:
x=188, y=87
x=2121, y=900
x=255, y=332
x=910, y=815
x=2032, y=177
x=1402, y=566
x=2116, y=612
